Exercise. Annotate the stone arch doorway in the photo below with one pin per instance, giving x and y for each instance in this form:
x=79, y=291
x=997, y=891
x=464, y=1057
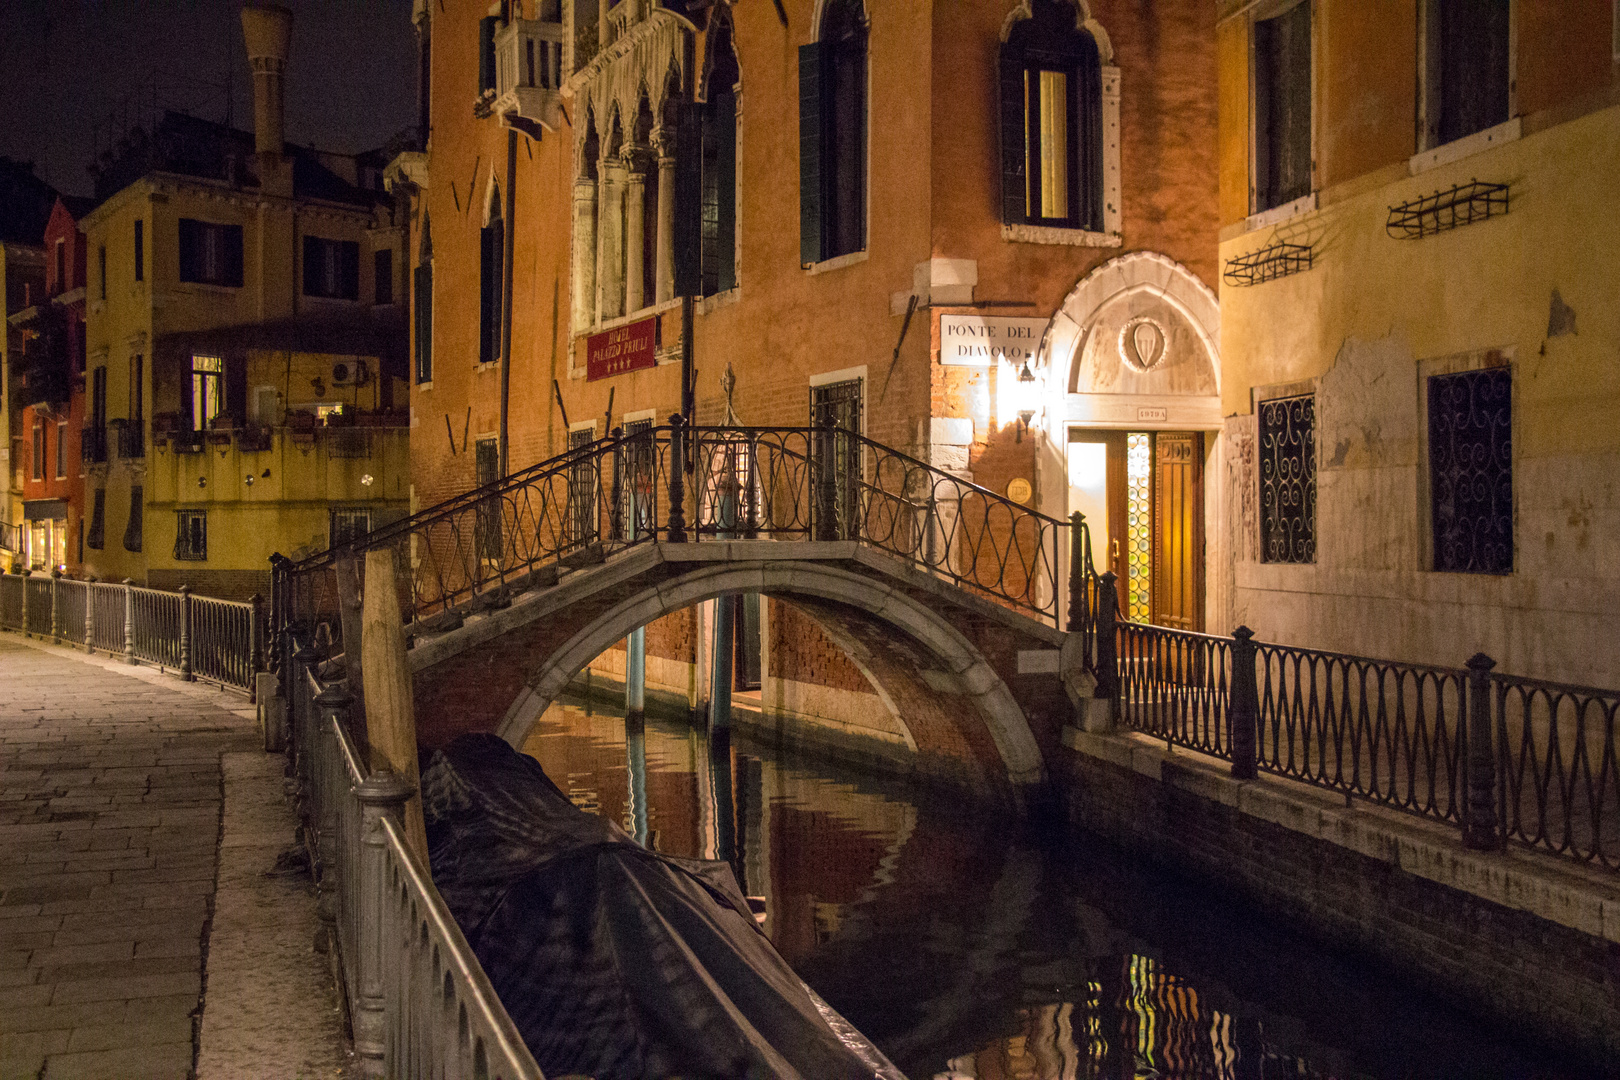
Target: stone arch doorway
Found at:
x=960, y=716
x=1133, y=418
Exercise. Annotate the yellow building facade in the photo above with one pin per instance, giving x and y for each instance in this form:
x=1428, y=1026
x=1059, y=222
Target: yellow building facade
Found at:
x=245, y=349
x=1419, y=342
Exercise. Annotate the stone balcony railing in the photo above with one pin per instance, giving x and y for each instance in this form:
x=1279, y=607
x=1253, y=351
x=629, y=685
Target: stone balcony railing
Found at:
x=529, y=75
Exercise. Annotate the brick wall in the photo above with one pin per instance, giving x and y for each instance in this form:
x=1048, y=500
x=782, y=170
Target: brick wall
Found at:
x=1541, y=978
x=220, y=584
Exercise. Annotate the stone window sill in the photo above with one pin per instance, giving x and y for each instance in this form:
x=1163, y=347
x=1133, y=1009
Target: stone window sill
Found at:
x=827, y=266
x=1052, y=234
x=1265, y=219
x=1467, y=146
x=719, y=300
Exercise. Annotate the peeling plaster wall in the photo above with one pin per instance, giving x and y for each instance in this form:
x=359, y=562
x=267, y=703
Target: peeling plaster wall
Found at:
x=1533, y=288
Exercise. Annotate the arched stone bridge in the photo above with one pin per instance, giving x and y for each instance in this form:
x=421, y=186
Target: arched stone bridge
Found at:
x=977, y=685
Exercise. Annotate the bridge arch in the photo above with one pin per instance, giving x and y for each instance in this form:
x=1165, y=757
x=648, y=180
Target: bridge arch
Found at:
x=933, y=653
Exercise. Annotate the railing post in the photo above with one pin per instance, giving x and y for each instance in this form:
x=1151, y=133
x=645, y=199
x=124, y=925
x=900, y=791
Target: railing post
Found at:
x=675, y=528
x=381, y=795
x=129, y=621
x=1077, y=577
x=185, y=633
x=90, y=615
x=255, y=646
x=616, y=513
x=1479, y=828
x=26, y=574
x=56, y=607
x=323, y=767
x=1107, y=641
x=1243, y=707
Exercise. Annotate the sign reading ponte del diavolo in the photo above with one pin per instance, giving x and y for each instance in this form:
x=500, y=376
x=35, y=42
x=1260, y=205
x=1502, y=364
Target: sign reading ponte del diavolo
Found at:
x=624, y=348
x=980, y=340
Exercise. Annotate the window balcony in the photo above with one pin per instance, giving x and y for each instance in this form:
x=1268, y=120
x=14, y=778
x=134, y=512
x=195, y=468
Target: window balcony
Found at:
x=131, y=441
x=529, y=75
x=93, y=445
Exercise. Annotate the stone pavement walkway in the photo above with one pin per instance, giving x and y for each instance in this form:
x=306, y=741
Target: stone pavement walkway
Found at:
x=138, y=819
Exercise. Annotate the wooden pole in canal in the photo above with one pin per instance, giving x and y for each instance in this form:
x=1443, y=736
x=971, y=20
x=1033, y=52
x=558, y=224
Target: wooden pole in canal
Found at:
x=390, y=711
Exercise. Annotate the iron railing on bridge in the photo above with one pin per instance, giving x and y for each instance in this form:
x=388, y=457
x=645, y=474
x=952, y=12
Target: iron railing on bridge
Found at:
x=682, y=484
x=1503, y=757
x=197, y=637
x=418, y=1000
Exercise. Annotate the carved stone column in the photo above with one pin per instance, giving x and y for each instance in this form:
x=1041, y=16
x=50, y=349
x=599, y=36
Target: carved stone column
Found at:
x=663, y=140
x=584, y=252
x=610, y=241
x=635, y=227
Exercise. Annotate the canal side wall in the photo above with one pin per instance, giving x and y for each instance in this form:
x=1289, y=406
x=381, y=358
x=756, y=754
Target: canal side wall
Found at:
x=1516, y=935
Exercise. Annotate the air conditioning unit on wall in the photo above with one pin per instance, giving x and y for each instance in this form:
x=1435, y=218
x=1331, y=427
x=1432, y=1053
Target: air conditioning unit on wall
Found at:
x=349, y=373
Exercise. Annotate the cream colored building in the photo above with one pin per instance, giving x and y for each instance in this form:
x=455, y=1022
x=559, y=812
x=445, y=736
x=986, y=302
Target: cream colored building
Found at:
x=1420, y=342
x=247, y=337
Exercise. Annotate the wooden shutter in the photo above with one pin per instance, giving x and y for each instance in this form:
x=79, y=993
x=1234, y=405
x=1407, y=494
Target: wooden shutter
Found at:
x=812, y=60
x=1013, y=194
x=132, y=531
x=489, y=292
x=98, y=521
x=349, y=270
x=382, y=276
x=486, y=52
x=313, y=266
x=725, y=136
x=190, y=244
x=234, y=392
x=424, y=323
x=233, y=255
x=689, y=202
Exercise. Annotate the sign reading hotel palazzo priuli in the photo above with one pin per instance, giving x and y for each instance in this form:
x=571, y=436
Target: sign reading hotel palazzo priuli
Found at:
x=622, y=349
x=979, y=340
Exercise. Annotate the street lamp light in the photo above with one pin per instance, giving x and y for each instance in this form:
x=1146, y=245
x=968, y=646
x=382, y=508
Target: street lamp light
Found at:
x=1028, y=397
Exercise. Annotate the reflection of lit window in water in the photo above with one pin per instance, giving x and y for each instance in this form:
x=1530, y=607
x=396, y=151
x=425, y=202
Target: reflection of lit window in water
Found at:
x=1138, y=532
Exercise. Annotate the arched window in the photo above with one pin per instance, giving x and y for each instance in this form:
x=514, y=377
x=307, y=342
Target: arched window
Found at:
x=492, y=251
x=719, y=147
x=1051, y=122
x=832, y=135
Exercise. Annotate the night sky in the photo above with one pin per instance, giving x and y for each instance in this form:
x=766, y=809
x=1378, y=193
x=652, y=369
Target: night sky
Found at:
x=65, y=65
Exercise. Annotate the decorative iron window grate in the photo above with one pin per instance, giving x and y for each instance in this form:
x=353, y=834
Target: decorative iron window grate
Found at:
x=191, y=535
x=1271, y=262
x=1471, y=470
x=1288, y=480
x=582, y=484
x=1462, y=205
x=347, y=524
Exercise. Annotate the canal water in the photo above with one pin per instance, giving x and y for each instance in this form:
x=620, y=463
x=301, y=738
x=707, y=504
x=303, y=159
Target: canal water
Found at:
x=968, y=949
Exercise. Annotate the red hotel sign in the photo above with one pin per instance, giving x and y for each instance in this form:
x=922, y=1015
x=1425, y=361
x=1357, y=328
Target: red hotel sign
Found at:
x=622, y=349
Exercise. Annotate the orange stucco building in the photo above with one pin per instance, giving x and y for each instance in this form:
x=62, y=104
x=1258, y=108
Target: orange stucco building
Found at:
x=884, y=211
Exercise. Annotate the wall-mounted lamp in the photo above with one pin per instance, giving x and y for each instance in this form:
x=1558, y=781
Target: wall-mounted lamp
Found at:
x=1028, y=396
x=202, y=481
x=248, y=480
x=366, y=480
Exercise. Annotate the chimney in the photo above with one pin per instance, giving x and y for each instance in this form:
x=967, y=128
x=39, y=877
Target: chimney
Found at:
x=267, y=30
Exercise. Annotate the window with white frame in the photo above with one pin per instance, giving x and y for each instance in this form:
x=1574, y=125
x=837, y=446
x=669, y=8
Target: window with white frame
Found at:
x=1282, y=106
x=1467, y=76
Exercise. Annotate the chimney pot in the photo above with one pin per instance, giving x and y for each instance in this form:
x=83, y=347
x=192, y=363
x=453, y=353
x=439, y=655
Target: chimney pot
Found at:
x=267, y=30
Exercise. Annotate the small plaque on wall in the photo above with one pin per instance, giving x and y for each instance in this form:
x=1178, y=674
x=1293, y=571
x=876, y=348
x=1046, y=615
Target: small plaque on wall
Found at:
x=1019, y=490
x=1152, y=414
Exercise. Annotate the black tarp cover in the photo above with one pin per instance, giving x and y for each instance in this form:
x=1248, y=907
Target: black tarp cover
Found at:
x=616, y=962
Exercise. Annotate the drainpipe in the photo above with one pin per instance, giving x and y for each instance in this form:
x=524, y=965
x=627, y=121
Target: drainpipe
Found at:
x=509, y=242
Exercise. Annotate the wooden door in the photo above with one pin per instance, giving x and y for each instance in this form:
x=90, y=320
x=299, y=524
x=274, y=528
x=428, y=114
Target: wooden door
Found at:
x=1178, y=529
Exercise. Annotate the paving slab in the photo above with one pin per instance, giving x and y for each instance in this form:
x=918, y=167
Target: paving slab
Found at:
x=141, y=934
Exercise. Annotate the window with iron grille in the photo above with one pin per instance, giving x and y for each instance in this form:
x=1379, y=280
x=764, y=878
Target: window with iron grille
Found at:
x=582, y=489
x=1288, y=480
x=331, y=268
x=636, y=484
x=1471, y=470
x=1282, y=107
x=191, y=535
x=98, y=521
x=347, y=524
x=835, y=411
x=487, y=519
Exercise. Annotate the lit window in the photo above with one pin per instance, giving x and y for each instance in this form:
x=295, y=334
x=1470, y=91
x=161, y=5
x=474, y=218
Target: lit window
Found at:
x=207, y=377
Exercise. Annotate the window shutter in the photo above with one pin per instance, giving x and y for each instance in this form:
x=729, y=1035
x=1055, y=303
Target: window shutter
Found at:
x=811, y=60
x=235, y=389
x=349, y=270
x=725, y=135
x=233, y=255
x=312, y=266
x=689, y=202
x=98, y=521
x=189, y=245
x=1013, y=196
x=486, y=52
x=382, y=276
x=132, y=531
x=424, y=323
x=489, y=290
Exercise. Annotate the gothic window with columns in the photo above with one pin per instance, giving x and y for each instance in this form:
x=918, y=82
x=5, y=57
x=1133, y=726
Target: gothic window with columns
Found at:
x=1051, y=121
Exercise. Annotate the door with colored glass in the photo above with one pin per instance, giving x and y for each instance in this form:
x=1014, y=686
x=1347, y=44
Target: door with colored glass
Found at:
x=1143, y=496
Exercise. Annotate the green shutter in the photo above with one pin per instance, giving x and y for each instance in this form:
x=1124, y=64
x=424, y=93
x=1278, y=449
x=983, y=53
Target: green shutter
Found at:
x=689, y=202
x=1014, y=202
x=811, y=59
